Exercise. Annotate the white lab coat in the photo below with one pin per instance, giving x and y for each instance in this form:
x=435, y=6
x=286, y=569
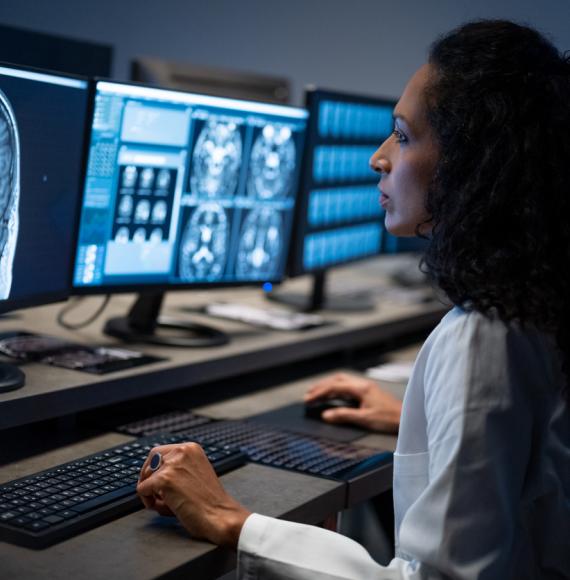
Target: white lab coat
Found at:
x=481, y=471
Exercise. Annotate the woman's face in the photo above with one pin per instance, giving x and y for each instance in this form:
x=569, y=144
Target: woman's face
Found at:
x=406, y=161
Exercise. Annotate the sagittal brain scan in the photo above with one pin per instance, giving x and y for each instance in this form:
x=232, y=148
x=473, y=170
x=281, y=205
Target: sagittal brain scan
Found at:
x=217, y=160
x=203, y=248
x=272, y=165
x=9, y=192
x=260, y=244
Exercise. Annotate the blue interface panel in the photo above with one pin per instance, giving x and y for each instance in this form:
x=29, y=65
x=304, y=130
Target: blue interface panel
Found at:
x=341, y=219
x=186, y=189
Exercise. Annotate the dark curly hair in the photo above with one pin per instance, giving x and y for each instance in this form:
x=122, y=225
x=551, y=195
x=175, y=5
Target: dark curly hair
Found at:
x=499, y=105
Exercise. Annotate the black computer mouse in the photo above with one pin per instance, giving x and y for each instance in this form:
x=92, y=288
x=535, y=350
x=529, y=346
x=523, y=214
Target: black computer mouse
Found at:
x=314, y=409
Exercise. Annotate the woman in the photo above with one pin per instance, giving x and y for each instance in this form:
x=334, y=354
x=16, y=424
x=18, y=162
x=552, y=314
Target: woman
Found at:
x=478, y=162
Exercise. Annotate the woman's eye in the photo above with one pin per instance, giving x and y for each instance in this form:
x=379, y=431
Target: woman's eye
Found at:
x=399, y=136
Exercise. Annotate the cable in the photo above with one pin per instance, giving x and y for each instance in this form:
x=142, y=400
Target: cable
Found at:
x=72, y=305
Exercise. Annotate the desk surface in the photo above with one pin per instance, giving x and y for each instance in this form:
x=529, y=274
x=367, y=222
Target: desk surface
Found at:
x=52, y=392
x=142, y=545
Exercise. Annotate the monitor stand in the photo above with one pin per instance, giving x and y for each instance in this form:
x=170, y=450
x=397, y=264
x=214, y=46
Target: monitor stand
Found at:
x=11, y=378
x=318, y=300
x=143, y=323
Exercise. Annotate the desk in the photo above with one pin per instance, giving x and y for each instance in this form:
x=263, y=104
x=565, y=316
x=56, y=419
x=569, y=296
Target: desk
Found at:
x=54, y=392
x=144, y=546
x=141, y=545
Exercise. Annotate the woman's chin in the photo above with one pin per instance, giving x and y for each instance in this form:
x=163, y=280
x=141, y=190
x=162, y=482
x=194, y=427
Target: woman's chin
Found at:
x=399, y=229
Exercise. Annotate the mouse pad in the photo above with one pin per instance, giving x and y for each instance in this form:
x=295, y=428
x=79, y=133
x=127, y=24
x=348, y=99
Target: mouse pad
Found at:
x=292, y=417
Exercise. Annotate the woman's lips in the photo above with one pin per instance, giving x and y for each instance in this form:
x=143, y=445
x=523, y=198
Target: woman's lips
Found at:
x=384, y=199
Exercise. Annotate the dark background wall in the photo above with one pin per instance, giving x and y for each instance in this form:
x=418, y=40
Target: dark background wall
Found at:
x=368, y=46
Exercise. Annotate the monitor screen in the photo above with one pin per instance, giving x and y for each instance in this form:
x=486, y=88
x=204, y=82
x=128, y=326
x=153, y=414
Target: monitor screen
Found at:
x=42, y=128
x=339, y=216
x=184, y=189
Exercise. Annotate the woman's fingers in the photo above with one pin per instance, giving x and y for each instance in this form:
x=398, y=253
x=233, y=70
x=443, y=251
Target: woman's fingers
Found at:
x=339, y=384
x=347, y=415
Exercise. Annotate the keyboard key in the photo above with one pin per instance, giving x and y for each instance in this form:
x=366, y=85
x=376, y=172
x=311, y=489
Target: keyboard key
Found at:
x=37, y=526
x=20, y=522
x=52, y=519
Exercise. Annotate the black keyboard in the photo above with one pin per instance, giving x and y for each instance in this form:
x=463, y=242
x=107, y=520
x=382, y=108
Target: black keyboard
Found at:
x=262, y=444
x=173, y=422
x=55, y=504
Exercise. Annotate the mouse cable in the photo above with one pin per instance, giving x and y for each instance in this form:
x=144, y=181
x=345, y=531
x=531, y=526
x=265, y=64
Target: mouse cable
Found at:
x=74, y=303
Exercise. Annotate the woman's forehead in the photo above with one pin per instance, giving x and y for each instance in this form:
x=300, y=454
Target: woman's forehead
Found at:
x=412, y=104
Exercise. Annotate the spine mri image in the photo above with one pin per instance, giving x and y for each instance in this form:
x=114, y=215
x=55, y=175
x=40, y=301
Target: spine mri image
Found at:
x=9, y=192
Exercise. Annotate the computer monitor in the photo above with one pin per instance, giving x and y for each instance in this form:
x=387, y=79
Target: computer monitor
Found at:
x=339, y=219
x=42, y=128
x=184, y=190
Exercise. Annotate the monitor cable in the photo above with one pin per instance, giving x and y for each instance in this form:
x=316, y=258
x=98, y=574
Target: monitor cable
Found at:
x=72, y=305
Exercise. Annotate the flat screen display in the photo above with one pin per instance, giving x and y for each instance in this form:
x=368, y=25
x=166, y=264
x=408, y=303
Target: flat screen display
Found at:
x=339, y=217
x=184, y=189
x=42, y=129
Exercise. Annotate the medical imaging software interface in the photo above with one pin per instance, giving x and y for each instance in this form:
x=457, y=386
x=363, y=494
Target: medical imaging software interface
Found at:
x=341, y=218
x=42, y=127
x=184, y=188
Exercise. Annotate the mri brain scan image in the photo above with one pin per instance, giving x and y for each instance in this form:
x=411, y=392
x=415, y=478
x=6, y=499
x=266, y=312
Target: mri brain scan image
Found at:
x=139, y=237
x=260, y=244
x=163, y=179
x=147, y=177
x=122, y=235
x=130, y=176
x=126, y=206
x=159, y=212
x=9, y=192
x=142, y=212
x=203, y=249
x=156, y=236
x=217, y=159
x=272, y=163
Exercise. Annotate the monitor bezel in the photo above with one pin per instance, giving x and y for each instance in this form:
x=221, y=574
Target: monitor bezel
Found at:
x=141, y=288
x=295, y=261
x=53, y=297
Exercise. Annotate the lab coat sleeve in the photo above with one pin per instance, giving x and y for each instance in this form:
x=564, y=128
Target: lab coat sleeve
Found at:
x=275, y=549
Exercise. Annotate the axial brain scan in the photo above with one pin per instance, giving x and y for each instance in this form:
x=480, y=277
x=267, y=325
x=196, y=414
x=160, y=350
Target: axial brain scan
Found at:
x=217, y=160
x=260, y=244
x=272, y=163
x=203, y=249
x=9, y=192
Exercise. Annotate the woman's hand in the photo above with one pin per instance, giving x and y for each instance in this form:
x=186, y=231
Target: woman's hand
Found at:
x=186, y=486
x=378, y=411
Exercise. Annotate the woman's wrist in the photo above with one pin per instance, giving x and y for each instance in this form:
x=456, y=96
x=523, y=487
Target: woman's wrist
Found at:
x=233, y=521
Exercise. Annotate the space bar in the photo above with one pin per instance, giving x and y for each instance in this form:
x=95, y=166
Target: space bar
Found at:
x=103, y=499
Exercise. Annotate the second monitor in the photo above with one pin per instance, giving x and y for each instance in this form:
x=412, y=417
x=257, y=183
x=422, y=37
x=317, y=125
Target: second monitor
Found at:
x=184, y=190
x=339, y=217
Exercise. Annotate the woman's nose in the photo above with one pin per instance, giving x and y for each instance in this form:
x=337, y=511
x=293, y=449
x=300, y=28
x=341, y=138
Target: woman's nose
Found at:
x=379, y=162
